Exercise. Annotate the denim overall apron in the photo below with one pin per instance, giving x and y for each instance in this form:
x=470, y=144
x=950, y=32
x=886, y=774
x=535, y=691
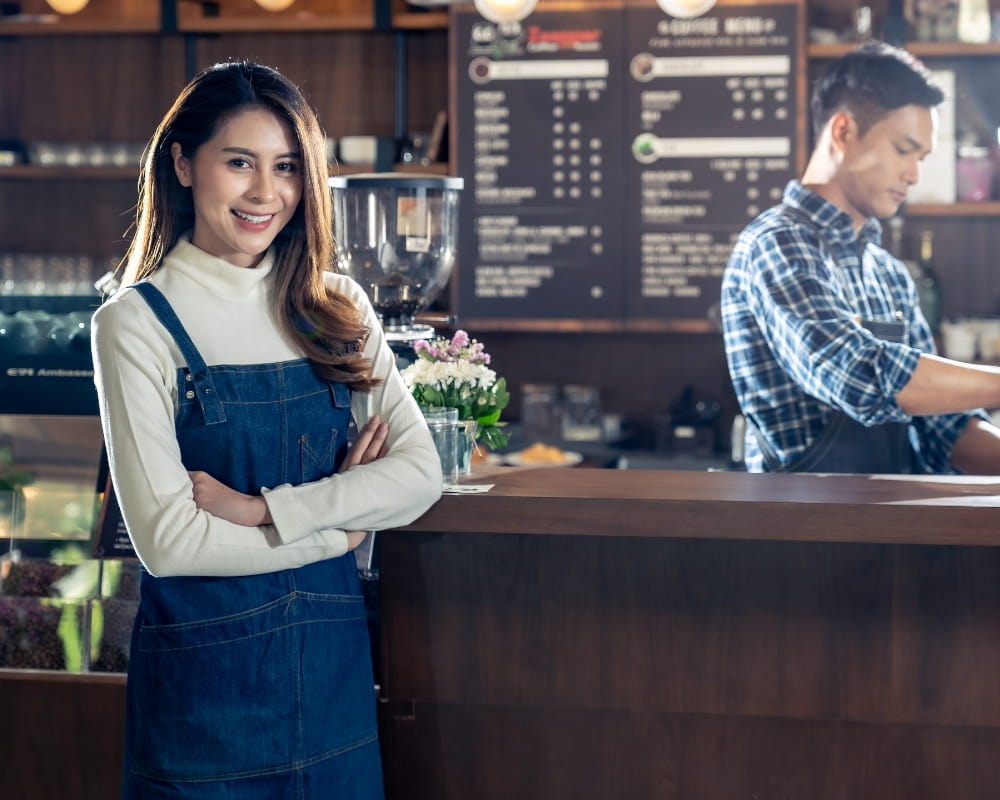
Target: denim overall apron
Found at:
x=257, y=687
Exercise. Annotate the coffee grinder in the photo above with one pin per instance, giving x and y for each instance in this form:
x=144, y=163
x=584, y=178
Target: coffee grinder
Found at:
x=396, y=235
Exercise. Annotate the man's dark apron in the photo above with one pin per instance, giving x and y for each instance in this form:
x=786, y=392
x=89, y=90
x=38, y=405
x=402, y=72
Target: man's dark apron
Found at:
x=846, y=445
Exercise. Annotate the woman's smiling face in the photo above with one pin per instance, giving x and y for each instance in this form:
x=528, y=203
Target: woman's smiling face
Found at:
x=246, y=182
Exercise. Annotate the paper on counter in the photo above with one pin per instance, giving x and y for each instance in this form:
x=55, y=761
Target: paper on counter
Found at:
x=467, y=488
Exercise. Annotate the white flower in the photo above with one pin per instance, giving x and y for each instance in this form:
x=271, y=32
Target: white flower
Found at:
x=442, y=374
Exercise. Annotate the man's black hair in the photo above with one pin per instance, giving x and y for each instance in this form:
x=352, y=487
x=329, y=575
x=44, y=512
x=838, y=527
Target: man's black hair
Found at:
x=870, y=82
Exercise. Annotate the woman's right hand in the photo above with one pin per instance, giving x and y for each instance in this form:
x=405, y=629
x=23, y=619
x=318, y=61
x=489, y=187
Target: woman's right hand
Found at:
x=369, y=446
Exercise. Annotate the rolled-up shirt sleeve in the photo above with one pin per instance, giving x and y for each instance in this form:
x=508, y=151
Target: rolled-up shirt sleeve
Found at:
x=818, y=340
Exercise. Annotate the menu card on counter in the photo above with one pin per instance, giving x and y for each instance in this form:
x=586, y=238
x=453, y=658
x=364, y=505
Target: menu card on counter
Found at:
x=613, y=153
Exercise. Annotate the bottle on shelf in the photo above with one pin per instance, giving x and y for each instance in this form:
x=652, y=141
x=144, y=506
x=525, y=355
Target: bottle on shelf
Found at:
x=922, y=271
x=928, y=287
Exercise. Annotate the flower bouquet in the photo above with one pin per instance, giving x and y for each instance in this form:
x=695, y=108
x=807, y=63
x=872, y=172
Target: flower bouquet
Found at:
x=454, y=372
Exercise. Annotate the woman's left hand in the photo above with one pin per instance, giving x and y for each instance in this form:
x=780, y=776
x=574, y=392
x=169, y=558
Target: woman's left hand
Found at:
x=220, y=501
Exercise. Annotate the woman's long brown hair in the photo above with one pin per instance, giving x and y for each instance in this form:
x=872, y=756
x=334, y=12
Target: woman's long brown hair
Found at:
x=326, y=326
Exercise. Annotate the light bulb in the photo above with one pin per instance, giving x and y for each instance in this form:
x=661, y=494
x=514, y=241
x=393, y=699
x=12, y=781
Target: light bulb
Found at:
x=274, y=5
x=67, y=6
x=505, y=10
x=685, y=9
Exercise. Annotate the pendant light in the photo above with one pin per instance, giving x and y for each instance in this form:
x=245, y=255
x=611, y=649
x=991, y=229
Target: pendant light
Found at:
x=274, y=5
x=505, y=10
x=67, y=6
x=685, y=9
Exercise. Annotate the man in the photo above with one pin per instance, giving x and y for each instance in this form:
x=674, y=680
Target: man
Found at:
x=831, y=359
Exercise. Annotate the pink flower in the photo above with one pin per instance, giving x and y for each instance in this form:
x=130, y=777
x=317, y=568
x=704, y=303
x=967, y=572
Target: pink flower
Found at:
x=460, y=339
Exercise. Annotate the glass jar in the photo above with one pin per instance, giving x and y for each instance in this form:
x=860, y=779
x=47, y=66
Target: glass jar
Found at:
x=974, y=174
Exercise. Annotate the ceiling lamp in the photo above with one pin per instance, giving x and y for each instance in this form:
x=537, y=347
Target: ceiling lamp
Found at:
x=274, y=5
x=685, y=8
x=505, y=10
x=67, y=6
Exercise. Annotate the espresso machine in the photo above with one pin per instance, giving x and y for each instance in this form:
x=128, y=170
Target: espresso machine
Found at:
x=396, y=235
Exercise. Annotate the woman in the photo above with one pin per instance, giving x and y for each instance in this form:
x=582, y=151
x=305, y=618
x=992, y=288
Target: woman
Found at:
x=228, y=372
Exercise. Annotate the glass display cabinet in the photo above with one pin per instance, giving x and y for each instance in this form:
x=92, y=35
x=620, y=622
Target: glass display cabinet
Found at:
x=60, y=607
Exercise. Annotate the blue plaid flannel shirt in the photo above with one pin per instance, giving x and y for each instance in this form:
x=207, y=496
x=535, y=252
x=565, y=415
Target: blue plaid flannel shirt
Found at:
x=793, y=297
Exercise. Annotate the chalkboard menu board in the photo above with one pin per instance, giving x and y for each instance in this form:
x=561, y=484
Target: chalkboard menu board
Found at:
x=540, y=113
x=612, y=153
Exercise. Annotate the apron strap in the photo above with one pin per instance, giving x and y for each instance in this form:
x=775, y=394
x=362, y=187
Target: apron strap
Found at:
x=198, y=377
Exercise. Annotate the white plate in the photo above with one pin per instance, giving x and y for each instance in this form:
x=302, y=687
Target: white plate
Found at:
x=570, y=459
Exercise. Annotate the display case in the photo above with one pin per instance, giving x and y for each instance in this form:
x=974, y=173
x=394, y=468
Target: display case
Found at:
x=60, y=607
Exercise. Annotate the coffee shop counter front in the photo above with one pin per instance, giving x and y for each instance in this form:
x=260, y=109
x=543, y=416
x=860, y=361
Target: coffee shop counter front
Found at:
x=580, y=633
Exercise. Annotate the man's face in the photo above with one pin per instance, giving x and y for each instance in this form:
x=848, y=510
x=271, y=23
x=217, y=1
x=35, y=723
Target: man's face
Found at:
x=879, y=167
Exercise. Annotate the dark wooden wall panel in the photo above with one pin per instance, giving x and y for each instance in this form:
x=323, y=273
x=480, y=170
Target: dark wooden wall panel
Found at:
x=427, y=77
x=44, y=206
x=110, y=88
x=638, y=373
x=60, y=736
x=347, y=76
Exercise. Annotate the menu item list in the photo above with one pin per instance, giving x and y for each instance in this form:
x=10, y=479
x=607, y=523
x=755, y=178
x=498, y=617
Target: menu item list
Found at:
x=711, y=118
x=615, y=153
x=542, y=221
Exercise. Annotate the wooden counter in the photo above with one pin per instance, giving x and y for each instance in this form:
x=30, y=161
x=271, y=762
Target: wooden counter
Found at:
x=626, y=634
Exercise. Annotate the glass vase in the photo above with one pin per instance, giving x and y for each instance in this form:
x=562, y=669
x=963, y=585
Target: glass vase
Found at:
x=466, y=445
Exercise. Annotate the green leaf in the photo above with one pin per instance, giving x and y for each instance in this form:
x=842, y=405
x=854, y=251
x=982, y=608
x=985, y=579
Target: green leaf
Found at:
x=494, y=437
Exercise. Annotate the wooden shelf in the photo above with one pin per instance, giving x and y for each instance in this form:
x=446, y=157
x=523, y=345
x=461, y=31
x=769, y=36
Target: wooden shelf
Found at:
x=437, y=168
x=34, y=172
x=244, y=16
x=419, y=20
x=591, y=325
x=359, y=169
x=413, y=17
x=53, y=24
x=304, y=23
x=984, y=209
x=919, y=49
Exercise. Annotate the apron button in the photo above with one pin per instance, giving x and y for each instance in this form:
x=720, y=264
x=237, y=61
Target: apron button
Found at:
x=188, y=378
x=189, y=394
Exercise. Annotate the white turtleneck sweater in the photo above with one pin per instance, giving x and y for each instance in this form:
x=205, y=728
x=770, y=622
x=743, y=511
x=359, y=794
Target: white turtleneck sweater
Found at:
x=228, y=312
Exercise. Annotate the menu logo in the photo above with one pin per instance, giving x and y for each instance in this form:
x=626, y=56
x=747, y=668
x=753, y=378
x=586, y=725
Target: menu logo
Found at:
x=541, y=40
